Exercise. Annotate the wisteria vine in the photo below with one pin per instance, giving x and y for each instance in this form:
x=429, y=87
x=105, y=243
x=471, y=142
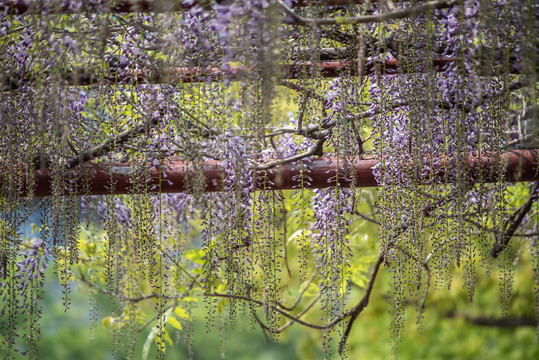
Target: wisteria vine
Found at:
x=425, y=89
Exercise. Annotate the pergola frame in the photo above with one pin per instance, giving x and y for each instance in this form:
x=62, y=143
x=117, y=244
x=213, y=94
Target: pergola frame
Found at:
x=521, y=165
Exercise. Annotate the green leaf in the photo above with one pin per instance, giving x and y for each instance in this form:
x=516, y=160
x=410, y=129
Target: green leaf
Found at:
x=195, y=255
x=190, y=299
x=148, y=343
x=174, y=322
x=152, y=336
x=108, y=321
x=294, y=236
x=182, y=313
x=167, y=337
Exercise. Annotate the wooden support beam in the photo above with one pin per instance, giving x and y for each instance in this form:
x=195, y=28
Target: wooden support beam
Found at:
x=174, y=175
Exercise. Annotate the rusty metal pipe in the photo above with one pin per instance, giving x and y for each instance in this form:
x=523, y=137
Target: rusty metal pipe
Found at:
x=20, y=7
x=175, y=175
x=326, y=69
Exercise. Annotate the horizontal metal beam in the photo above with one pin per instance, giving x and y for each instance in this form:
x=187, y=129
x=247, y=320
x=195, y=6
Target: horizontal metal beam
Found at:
x=174, y=176
x=327, y=69
x=20, y=7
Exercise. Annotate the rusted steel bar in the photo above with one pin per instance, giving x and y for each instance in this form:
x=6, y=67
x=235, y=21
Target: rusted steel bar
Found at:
x=175, y=175
x=327, y=69
x=28, y=7
x=20, y=7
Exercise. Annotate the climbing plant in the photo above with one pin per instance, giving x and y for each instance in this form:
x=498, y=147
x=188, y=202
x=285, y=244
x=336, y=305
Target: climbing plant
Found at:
x=218, y=153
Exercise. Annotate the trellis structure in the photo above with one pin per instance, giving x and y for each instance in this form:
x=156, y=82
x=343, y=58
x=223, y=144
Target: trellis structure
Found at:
x=326, y=69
